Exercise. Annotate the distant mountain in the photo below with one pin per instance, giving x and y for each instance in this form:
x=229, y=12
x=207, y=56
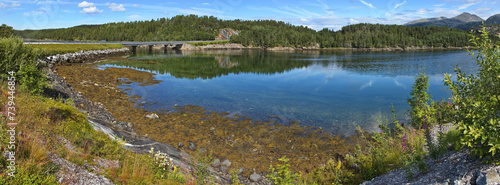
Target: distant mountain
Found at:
x=495, y=19
x=464, y=21
x=425, y=20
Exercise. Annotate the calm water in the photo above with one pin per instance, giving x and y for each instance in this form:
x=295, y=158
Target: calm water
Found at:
x=334, y=90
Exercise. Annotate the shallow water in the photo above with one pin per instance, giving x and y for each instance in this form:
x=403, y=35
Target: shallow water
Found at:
x=335, y=90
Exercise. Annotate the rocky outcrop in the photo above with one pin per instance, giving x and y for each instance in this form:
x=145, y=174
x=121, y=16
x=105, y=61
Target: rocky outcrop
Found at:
x=79, y=57
x=225, y=34
x=452, y=168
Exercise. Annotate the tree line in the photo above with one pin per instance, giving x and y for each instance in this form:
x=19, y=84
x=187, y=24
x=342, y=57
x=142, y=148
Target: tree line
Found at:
x=261, y=33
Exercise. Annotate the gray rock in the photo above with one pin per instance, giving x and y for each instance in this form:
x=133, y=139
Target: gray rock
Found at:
x=241, y=170
x=152, y=116
x=226, y=163
x=489, y=176
x=180, y=145
x=223, y=169
x=192, y=146
x=129, y=125
x=255, y=177
x=202, y=150
x=216, y=163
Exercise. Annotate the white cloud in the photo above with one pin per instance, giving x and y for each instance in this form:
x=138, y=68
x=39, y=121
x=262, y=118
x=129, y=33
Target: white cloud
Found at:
x=136, y=5
x=135, y=17
x=400, y=4
x=85, y=4
x=40, y=10
x=206, y=4
x=353, y=21
x=367, y=4
x=438, y=5
x=422, y=11
x=3, y=5
x=91, y=10
x=483, y=9
x=473, y=1
x=466, y=6
x=115, y=7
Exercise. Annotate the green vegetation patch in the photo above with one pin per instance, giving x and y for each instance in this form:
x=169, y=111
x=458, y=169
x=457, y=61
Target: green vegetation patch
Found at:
x=204, y=43
x=52, y=49
x=42, y=122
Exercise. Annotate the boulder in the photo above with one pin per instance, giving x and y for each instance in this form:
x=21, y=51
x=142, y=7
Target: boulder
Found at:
x=216, y=163
x=226, y=163
x=255, y=177
x=192, y=146
x=489, y=176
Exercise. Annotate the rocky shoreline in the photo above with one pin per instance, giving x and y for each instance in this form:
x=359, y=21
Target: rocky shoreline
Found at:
x=103, y=120
x=79, y=57
x=231, y=46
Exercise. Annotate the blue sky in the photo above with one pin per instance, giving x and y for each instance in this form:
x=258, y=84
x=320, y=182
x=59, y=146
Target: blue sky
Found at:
x=317, y=14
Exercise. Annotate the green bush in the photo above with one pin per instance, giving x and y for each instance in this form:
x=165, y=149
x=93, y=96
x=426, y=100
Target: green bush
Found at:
x=419, y=101
x=5, y=31
x=21, y=59
x=477, y=98
x=283, y=175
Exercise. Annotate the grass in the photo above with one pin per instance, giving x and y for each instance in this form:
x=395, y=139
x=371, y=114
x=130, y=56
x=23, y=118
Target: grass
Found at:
x=52, y=49
x=204, y=43
x=42, y=121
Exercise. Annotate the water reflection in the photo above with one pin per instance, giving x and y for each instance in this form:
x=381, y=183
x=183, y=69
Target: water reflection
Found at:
x=335, y=90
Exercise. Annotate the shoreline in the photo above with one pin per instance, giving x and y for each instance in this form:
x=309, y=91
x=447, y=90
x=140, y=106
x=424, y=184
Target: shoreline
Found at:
x=235, y=46
x=102, y=120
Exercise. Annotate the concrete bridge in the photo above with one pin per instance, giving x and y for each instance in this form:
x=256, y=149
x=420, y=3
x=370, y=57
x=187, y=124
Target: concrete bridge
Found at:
x=166, y=44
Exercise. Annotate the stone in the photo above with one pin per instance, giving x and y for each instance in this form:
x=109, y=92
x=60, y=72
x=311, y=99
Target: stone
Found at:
x=241, y=171
x=152, y=116
x=223, y=169
x=255, y=177
x=202, y=150
x=489, y=176
x=180, y=145
x=192, y=146
x=216, y=163
x=226, y=163
x=129, y=125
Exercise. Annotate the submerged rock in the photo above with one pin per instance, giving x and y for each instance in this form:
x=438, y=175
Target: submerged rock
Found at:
x=152, y=116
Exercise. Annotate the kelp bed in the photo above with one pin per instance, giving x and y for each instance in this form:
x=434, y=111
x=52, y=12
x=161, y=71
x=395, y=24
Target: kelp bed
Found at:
x=253, y=145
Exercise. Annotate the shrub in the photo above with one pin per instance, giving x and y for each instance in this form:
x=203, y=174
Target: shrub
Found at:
x=283, y=175
x=477, y=98
x=413, y=158
x=20, y=58
x=419, y=101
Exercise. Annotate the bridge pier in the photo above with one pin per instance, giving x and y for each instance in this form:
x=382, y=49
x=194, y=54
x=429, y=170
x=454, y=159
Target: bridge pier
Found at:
x=165, y=49
x=150, y=49
x=134, y=49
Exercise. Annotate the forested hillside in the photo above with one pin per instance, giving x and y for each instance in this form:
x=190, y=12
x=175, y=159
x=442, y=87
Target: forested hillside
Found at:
x=379, y=36
x=263, y=33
